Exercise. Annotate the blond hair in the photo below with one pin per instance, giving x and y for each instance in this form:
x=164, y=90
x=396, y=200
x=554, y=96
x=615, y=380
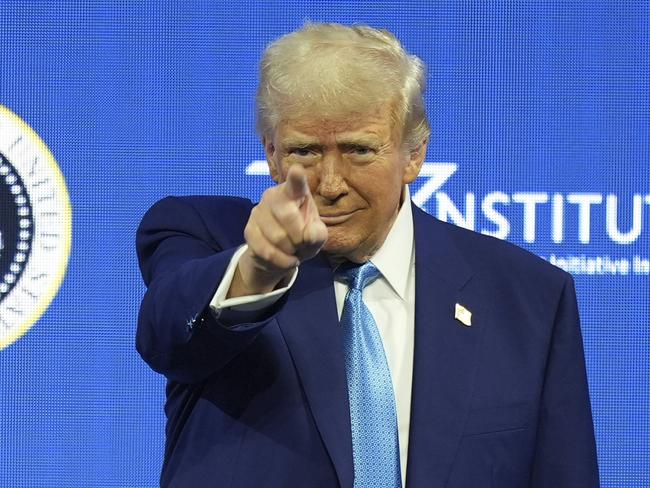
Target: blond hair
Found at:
x=334, y=70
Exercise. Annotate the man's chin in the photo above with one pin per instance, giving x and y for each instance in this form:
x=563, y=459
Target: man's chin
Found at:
x=336, y=248
x=342, y=250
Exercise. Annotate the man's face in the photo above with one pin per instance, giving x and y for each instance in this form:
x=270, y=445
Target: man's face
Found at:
x=356, y=170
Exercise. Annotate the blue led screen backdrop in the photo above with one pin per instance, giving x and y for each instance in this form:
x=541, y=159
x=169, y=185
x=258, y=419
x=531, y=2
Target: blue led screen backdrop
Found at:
x=540, y=115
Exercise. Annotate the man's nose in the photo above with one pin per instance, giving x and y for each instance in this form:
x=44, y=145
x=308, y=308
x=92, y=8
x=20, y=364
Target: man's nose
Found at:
x=332, y=184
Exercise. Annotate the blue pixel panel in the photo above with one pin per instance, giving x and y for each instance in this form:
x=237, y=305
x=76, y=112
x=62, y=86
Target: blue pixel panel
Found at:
x=540, y=115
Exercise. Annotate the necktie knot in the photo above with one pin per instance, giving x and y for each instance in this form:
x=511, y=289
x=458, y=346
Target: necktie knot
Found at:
x=358, y=276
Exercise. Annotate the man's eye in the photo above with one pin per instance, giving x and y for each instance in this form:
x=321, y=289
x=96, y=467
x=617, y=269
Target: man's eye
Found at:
x=301, y=151
x=361, y=150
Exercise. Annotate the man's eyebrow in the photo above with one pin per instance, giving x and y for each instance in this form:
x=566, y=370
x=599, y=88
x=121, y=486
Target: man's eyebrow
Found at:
x=345, y=140
x=297, y=142
x=363, y=140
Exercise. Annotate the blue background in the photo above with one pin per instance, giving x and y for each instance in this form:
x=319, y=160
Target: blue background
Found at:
x=139, y=100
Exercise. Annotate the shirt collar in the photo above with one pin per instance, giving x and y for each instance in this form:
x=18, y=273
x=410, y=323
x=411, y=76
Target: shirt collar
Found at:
x=394, y=257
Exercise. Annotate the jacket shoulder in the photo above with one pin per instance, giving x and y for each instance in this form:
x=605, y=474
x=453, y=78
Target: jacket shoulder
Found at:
x=504, y=260
x=218, y=221
x=226, y=211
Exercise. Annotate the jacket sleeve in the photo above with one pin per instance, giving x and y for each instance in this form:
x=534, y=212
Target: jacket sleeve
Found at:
x=182, y=263
x=565, y=454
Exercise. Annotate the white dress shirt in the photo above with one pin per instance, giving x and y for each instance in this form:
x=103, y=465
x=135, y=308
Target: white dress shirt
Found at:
x=390, y=299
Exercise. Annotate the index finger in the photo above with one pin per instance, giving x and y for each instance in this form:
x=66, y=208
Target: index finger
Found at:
x=295, y=186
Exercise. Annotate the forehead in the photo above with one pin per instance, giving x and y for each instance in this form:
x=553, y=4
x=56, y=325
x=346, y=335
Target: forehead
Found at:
x=376, y=123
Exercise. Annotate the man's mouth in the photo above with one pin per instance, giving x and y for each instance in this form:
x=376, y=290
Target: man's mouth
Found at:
x=336, y=218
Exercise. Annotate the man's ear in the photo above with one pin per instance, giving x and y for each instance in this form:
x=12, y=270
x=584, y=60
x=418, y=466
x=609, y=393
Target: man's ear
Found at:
x=269, y=149
x=414, y=163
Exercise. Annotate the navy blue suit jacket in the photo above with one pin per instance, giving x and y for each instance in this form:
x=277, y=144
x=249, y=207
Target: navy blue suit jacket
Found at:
x=503, y=403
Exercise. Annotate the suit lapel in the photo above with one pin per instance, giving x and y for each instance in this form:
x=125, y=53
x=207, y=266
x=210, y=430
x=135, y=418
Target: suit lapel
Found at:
x=445, y=353
x=309, y=323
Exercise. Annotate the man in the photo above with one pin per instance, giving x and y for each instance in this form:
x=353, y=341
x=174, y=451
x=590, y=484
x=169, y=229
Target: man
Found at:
x=335, y=334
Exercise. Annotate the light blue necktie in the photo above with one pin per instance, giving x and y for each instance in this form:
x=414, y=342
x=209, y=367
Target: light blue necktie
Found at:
x=373, y=415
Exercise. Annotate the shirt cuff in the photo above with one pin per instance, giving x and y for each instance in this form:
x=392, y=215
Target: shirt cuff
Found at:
x=249, y=303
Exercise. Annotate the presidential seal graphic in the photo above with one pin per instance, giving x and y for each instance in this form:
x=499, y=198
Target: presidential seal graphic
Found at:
x=35, y=227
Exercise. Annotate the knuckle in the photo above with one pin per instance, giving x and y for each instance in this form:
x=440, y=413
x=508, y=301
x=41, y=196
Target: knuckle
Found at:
x=296, y=239
x=287, y=213
x=251, y=232
x=248, y=234
x=278, y=236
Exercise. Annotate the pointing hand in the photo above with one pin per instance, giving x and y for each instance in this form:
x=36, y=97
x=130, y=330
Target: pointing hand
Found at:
x=283, y=230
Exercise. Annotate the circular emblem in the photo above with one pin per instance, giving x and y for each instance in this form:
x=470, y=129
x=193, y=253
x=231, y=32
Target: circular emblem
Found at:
x=35, y=227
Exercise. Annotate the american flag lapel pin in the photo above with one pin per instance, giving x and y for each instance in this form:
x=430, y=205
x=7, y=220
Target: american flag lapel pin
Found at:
x=463, y=315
